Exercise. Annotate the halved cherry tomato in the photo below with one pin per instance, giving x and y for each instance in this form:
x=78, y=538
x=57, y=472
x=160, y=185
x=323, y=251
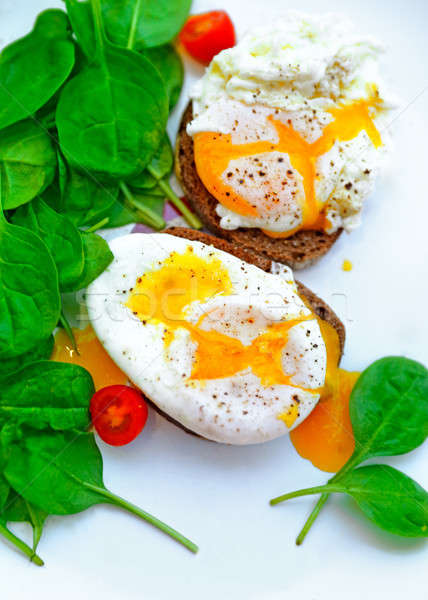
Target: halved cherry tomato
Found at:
x=118, y=413
x=205, y=35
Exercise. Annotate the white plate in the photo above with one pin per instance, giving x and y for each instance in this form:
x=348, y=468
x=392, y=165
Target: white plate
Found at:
x=218, y=495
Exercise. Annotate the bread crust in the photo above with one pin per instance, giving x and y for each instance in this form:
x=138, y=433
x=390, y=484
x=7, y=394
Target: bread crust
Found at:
x=319, y=307
x=298, y=251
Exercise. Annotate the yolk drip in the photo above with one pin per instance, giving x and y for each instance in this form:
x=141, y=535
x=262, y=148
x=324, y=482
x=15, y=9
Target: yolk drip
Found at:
x=214, y=151
x=163, y=295
x=325, y=437
x=91, y=355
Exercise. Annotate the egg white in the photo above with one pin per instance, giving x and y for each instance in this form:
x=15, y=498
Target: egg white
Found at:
x=234, y=410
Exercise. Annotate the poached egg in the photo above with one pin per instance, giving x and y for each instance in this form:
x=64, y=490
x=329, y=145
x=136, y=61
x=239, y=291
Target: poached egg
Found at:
x=227, y=350
x=289, y=126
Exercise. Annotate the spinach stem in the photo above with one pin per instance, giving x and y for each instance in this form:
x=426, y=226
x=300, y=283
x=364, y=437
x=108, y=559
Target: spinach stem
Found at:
x=98, y=225
x=142, y=514
x=151, y=218
x=318, y=489
x=133, y=29
x=5, y=532
x=312, y=517
x=175, y=200
x=68, y=330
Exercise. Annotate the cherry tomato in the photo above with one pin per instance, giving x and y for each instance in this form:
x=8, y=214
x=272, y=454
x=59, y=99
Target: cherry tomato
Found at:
x=118, y=413
x=205, y=35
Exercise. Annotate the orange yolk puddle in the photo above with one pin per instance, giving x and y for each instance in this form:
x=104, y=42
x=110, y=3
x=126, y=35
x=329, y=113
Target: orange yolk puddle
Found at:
x=91, y=355
x=325, y=437
x=162, y=296
x=214, y=151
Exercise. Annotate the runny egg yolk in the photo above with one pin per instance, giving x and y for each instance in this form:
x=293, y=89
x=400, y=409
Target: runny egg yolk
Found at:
x=91, y=356
x=164, y=295
x=214, y=152
x=325, y=437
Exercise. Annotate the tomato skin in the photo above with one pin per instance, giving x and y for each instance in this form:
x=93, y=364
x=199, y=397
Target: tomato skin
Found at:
x=206, y=34
x=118, y=414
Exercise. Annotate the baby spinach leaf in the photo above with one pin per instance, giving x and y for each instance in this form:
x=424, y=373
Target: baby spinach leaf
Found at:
x=147, y=208
x=97, y=256
x=169, y=64
x=47, y=393
x=27, y=163
x=143, y=23
x=389, y=498
x=86, y=201
x=111, y=116
x=394, y=501
x=389, y=408
x=34, y=67
x=59, y=234
x=29, y=294
x=82, y=23
x=66, y=474
x=41, y=351
x=160, y=165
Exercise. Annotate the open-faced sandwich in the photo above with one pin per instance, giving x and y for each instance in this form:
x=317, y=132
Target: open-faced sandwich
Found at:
x=222, y=341
x=280, y=145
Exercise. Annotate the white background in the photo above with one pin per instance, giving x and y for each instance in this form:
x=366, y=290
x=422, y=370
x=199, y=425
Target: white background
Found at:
x=218, y=495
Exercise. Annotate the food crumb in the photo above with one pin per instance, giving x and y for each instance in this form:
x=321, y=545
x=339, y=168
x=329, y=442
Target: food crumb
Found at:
x=347, y=265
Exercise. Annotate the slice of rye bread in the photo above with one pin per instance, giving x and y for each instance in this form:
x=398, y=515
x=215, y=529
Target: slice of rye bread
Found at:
x=319, y=307
x=298, y=251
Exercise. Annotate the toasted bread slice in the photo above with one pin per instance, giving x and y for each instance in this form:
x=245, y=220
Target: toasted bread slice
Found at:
x=319, y=307
x=297, y=251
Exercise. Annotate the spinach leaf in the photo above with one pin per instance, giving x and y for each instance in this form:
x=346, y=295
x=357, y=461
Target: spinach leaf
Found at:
x=389, y=416
x=389, y=498
x=97, y=257
x=111, y=116
x=41, y=351
x=66, y=474
x=143, y=23
x=27, y=163
x=392, y=500
x=389, y=408
x=82, y=23
x=47, y=393
x=169, y=64
x=29, y=294
x=160, y=165
x=60, y=235
x=86, y=201
x=34, y=67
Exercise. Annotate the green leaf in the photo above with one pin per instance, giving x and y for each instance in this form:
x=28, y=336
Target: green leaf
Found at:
x=82, y=23
x=390, y=499
x=138, y=23
x=41, y=351
x=47, y=393
x=86, y=201
x=65, y=470
x=160, y=165
x=59, y=234
x=4, y=492
x=169, y=64
x=29, y=294
x=97, y=258
x=34, y=67
x=389, y=408
x=111, y=118
x=27, y=163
